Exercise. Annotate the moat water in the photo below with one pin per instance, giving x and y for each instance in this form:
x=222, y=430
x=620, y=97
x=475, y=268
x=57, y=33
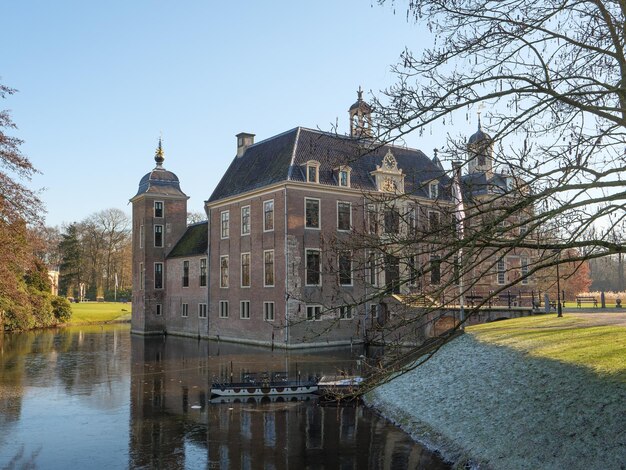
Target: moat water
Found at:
x=96, y=397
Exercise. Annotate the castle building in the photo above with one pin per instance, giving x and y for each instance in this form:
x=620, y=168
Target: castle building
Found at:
x=291, y=252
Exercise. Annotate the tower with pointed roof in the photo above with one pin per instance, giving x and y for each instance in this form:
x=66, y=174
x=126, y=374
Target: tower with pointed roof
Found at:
x=360, y=117
x=159, y=220
x=480, y=152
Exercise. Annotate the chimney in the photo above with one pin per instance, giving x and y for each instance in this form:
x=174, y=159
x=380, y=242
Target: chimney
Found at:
x=244, y=140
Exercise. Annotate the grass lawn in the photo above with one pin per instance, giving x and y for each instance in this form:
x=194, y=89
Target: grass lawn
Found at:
x=95, y=312
x=574, y=340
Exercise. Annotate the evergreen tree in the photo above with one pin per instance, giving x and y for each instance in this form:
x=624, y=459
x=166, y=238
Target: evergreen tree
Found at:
x=71, y=261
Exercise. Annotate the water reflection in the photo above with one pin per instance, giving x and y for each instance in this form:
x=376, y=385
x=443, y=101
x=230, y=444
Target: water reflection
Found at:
x=177, y=425
x=95, y=397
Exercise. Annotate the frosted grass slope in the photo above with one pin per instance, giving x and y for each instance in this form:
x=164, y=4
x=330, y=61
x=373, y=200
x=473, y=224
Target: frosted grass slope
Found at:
x=495, y=407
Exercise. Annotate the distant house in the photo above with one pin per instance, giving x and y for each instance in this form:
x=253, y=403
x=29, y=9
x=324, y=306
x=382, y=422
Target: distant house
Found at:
x=290, y=254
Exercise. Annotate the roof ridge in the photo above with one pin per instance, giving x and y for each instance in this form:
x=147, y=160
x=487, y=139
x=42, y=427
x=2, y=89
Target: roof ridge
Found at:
x=350, y=138
x=273, y=137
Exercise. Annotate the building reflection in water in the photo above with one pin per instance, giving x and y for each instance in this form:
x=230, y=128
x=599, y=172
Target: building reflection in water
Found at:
x=175, y=425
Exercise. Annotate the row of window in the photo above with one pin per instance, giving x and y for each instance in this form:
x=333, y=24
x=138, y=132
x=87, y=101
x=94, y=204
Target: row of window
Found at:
x=158, y=274
x=202, y=277
x=313, y=274
x=501, y=270
x=244, y=310
x=245, y=273
x=268, y=219
x=313, y=173
x=313, y=270
x=158, y=229
x=311, y=217
x=313, y=312
x=390, y=219
x=184, y=310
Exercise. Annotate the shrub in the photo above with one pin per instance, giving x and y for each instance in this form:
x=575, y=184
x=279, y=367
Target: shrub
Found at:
x=61, y=308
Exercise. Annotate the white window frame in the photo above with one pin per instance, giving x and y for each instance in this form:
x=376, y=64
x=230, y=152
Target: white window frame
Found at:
x=223, y=309
x=184, y=310
x=411, y=219
x=244, y=232
x=202, y=310
x=141, y=277
x=374, y=308
x=224, y=285
x=347, y=171
x=372, y=269
x=433, y=259
x=373, y=219
x=319, y=213
x=224, y=224
x=349, y=216
x=501, y=272
x=241, y=284
x=203, y=261
x=316, y=166
x=345, y=312
x=430, y=227
x=273, y=268
x=524, y=268
x=141, y=235
x=433, y=190
x=317, y=312
x=162, y=210
x=306, y=267
x=162, y=275
x=244, y=309
x=162, y=236
x=350, y=256
x=267, y=311
x=265, y=204
x=185, y=263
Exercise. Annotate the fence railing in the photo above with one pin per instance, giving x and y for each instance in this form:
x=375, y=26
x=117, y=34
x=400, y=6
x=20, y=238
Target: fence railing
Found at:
x=511, y=298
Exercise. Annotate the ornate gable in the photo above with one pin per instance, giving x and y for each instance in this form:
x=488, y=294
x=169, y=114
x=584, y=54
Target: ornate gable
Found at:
x=389, y=178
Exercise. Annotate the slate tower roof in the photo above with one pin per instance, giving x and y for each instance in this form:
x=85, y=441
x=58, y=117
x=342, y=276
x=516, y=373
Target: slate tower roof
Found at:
x=159, y=181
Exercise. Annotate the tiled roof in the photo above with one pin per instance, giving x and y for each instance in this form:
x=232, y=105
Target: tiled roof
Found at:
x=160, y=181
x=284, y=158
x=262, y=164
x=194, y=241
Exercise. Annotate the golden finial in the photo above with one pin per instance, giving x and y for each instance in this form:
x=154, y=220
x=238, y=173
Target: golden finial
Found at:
x=159, y=157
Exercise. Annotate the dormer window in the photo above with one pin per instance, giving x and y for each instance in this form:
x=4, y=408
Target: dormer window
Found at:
x=312, y=172
x=343, y=176
x=433, y=190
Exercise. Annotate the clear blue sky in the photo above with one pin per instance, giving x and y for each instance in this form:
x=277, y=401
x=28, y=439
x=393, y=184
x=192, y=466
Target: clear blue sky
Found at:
x=100, y=81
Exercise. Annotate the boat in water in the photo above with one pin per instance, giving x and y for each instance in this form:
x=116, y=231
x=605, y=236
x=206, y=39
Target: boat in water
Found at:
x=263, y=385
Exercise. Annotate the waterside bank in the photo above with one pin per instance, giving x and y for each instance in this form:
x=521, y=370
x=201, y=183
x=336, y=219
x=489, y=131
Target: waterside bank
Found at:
x=509, y=399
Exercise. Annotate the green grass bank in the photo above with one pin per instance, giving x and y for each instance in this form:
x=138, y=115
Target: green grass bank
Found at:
x=531, y=393
x=99, y=312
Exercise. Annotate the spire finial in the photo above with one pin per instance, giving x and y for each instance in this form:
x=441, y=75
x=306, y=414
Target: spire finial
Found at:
x=360, y=93
x=480, y=110
x=159, y=158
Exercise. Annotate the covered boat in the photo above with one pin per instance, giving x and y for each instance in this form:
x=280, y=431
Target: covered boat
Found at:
x=263, y=384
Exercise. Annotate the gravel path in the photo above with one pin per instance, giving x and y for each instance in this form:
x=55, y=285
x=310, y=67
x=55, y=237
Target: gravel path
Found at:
x=599, y=317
